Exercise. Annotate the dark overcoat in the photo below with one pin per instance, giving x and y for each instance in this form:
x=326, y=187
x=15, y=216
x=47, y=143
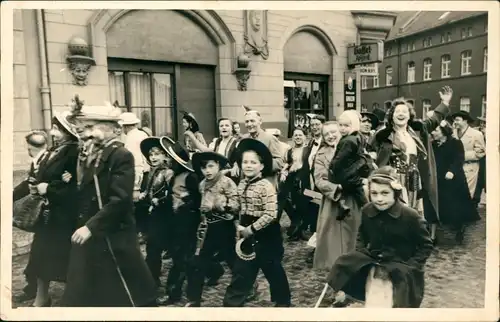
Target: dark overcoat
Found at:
x=382, y=144
x=49, y=254
x=455, y=202
x=93, y=275
x=396, y=239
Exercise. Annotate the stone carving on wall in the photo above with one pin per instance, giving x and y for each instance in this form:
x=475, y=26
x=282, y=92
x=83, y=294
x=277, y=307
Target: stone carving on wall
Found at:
x=256, y=33
x=242, y=71
x=79, y=61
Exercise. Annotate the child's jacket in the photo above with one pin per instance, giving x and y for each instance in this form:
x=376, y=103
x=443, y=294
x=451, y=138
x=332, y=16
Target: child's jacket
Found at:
x=220, y=195
x=397, y=240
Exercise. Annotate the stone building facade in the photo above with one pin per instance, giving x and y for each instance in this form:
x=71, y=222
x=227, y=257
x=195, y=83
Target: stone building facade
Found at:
x=157, y=63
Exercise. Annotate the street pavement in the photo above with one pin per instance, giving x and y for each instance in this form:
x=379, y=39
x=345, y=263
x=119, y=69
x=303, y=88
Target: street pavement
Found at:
x=454, y=275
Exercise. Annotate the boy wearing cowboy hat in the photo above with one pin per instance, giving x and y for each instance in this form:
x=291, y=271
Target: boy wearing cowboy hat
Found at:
x=257, y=224
x=106, y=267
x=154, y=197
x=183, y=203
x=219, y=206
x=474, y=146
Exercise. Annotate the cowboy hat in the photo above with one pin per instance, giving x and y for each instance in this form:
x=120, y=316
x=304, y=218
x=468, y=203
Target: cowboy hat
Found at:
x=463, y=114
x=129, y=118
x=195, y=127
x=249, y=144
x=176, y=152
x=481, y=119
x=373, y=119
x=199, y=157
x=245, y=249
x=106, y=112
x=151, y=142
x=62, y=119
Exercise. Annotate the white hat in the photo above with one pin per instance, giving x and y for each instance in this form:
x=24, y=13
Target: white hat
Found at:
x=62, y=118
x=129, y=118
x=275, y=132
x=106, y=112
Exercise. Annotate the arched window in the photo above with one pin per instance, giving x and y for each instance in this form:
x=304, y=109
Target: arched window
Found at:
x=388, y=76
x=445, y=66
x=427, y=69
x=411, y=72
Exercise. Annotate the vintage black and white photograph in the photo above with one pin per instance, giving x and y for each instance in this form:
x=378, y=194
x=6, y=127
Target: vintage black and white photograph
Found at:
x=250, y=157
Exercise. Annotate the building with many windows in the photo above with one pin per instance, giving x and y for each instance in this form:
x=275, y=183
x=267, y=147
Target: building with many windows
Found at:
x=426, y=51
x=157, y=63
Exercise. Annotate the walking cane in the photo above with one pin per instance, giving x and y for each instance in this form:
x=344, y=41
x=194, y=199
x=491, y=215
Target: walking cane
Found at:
x=124, y=283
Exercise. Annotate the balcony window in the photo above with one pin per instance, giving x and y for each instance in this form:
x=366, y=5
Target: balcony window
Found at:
x=411, y=72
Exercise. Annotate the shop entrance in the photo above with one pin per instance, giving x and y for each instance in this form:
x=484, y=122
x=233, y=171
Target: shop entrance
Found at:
x=304, y=94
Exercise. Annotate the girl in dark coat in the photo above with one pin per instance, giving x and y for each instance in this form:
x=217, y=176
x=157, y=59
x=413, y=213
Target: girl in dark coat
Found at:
x=51, y=245
x=393, y=246
x=456, y=208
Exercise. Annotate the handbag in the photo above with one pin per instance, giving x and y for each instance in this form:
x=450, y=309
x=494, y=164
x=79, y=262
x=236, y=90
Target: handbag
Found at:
x=29, y=211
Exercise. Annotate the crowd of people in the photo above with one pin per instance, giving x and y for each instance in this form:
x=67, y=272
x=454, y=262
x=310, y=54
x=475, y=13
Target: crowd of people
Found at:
x=366, y=192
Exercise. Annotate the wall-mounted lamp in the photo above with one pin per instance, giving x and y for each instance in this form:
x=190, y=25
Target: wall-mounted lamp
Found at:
x=242, y=71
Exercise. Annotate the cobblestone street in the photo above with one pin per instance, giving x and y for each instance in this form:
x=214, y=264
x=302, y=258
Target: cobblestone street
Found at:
x=454, y=275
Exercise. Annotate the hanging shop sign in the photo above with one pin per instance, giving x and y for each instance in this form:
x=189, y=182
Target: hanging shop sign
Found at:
x=365, y=53
x=349, y=91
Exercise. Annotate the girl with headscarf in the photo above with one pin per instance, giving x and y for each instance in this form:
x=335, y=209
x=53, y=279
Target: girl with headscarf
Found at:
x=192, y=133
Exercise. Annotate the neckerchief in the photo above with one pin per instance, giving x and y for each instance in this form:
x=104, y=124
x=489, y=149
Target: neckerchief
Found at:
x=210, y=183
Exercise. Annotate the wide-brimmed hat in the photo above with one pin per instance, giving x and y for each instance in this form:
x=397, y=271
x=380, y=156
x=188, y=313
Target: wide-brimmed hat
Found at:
x=176, y=152
x=249, y=144
x=106, y=112
x=463, y=114
x=199, y=157
x=151, y=142
x=62, y=119
x=373, y=119
x=481, y=119
x=190, y=117
x=129, y=118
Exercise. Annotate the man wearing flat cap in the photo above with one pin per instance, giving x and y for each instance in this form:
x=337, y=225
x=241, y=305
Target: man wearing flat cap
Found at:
x=474, y=146
x=106, y=267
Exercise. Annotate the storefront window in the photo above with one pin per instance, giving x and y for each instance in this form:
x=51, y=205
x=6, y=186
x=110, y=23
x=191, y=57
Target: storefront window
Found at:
x=148, y=95
x=304, y=96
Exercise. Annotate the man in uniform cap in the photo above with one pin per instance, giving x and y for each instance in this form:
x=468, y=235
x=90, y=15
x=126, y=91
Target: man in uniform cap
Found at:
x=106, y=267
x=474, y=147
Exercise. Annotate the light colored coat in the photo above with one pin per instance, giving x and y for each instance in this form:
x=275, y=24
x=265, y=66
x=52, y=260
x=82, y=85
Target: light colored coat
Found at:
x=333, y=238
x=133, y=144
x=475, y=149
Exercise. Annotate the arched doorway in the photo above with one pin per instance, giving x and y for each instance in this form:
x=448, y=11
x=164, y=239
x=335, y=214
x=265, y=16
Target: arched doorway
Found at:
x=308, y=67
x=174, y=68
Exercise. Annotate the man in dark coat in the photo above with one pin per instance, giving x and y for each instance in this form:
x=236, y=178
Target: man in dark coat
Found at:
x=106, y=266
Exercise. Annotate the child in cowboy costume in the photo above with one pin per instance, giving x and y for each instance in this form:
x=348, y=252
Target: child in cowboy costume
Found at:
x=393, y=246
x=258, y=226
x=183, y=206
x=216, y=233
x=106, y=267
x=155, y=196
